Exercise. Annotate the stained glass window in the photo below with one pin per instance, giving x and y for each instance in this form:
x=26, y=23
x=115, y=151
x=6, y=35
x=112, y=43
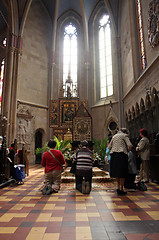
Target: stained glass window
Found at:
x=2, y=73
x=141, y=36
x=105, y=57
x=1, y=81
x=70, y=57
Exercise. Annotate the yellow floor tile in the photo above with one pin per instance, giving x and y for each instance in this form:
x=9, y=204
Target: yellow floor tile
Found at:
x=116, y=206
x=133, y=198
x=8, y=216
x=44, y=217
x=11, y=193
x=109, y=199
x=51, y=236
x=26, y=199
x=56, y=219
x=83, y=233
x=119, y=216
x=35, y=236
x=90, y=204
x=59, y=208
x=49, y=206
x=145, y=204
x=93, y=214
x=81, y=217
x=80, y=206
x=153, y=214
x=8, y=229
x=156, y=196
x=21, y=205
x=5, y=199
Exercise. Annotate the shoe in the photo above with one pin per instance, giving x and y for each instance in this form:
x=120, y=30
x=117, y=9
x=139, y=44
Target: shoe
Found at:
x=55, y=191
x=87, y=189
x=121, y=192
x=118, y=190
x=83, y=188
x=49, y=190
x=45, y=188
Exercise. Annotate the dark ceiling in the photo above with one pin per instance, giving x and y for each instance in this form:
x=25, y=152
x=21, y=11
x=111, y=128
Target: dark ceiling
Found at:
x=64, y=5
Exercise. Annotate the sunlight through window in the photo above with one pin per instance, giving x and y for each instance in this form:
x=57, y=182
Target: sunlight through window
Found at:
x=1, y=81
x=70, y=56
x=105, y=57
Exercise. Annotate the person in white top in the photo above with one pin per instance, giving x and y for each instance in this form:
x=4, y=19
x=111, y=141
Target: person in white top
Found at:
x=119, y=147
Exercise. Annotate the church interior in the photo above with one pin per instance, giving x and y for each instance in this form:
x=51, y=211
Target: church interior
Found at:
x=77, y=70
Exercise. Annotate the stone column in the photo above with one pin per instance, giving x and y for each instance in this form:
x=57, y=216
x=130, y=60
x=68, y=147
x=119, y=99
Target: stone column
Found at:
x=85, y=26
x=8, y=78
x=17, y=59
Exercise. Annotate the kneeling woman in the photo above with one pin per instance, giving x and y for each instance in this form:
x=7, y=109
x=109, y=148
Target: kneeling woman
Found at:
x=119, y=147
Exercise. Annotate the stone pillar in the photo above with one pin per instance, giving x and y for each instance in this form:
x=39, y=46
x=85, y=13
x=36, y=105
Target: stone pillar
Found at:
x=8, y=78
x=87, y=77
x=17, y=59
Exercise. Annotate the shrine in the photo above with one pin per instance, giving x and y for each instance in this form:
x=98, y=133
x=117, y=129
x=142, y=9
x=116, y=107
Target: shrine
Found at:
x=70, y=119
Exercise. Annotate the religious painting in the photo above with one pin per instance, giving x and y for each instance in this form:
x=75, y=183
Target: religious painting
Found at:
x=82, y=125
x=82, y=129
x=68, y=109
x=59, y=132
x=54, y=113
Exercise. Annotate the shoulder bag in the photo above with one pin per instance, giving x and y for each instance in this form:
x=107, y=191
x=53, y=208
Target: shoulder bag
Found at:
x=56, y=160
x=73, y=167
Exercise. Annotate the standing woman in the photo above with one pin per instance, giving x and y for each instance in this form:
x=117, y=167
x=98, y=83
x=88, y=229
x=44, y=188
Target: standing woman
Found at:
x=52, y=160
x=119, y=147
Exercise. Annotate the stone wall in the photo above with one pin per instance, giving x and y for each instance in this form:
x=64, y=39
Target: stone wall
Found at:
x=136, y=82
x=34, y=82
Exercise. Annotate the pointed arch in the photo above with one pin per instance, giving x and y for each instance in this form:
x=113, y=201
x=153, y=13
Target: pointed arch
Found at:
x=142, y=105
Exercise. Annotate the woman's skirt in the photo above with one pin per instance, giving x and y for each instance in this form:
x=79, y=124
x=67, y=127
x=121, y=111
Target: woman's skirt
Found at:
x=119, y=165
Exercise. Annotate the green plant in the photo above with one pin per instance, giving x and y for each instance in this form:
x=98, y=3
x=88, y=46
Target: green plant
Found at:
x=42, y=150
x=63, y=146
x=100, y=148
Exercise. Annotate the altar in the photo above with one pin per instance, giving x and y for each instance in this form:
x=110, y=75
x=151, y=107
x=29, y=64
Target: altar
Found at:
x=70, y=117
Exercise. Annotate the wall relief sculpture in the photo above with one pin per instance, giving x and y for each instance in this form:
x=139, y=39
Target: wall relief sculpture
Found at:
x=153, y=23
x=24, y=127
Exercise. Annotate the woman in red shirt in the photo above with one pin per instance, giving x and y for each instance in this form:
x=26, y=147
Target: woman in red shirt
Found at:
x=52, y=160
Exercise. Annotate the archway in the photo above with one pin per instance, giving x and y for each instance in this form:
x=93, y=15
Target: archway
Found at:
x=38, y=144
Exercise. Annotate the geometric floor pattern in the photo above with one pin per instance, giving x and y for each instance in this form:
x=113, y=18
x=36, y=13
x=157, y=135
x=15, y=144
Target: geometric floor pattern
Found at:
x=69, y=215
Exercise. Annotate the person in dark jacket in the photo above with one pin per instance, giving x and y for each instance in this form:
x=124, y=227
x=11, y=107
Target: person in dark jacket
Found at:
x=84, y=163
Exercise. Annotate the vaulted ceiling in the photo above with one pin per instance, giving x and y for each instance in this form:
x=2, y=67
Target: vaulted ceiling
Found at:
x=82, y=7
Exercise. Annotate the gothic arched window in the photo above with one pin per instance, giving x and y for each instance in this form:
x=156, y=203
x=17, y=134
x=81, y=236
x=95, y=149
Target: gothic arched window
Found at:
x=70, y=59
x=141, y=34
x=105, y=57
x=1, y=81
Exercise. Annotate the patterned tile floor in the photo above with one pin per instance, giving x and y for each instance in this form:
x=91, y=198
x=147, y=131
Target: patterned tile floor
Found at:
x=69, y=215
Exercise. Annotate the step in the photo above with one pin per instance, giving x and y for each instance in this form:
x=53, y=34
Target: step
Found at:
x=98, y=175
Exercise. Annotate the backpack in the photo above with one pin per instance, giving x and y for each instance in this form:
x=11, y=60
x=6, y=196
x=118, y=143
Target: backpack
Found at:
x=142, y=186
x=19, y=174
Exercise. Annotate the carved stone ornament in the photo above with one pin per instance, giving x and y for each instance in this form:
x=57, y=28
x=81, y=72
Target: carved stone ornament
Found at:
x=24, y=125
x=153, y=23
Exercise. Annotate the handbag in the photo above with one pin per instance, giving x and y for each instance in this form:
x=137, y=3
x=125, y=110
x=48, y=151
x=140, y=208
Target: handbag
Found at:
x=142, y=186
x=56, y=160
x=73, y=167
